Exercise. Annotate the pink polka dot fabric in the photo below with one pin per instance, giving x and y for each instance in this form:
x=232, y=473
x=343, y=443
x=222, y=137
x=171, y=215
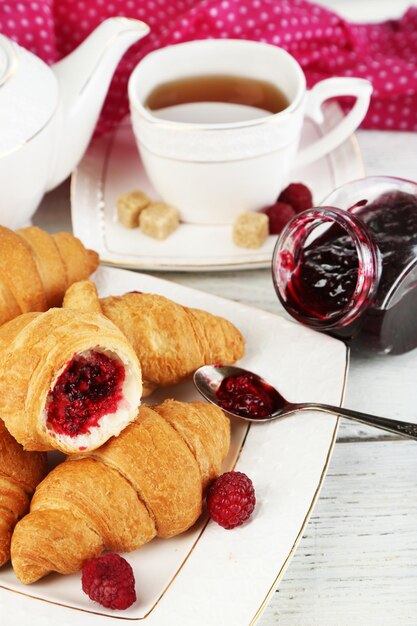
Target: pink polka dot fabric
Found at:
x=324, y=44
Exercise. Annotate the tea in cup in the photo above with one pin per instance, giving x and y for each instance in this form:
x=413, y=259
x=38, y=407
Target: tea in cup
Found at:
x=218, y=124
x=241, y=91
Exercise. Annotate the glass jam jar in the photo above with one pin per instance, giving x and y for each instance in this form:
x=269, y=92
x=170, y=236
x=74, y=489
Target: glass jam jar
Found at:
x=350, y=268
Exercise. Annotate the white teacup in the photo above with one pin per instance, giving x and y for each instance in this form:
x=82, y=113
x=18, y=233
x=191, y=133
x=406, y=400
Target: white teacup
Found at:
x=216, y=160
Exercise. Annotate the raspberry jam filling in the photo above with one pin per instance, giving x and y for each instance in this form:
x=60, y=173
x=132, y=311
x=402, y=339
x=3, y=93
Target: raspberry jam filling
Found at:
x=247, y=396
x=90, y=387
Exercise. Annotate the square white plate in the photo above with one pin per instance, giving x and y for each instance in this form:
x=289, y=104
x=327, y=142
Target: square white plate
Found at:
x=112, y=166
x=210, y=576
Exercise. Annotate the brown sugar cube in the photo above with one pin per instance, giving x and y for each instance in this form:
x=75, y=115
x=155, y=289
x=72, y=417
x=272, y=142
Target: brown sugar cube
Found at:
x=250, y=230
x=158, y=220
x=129, y=207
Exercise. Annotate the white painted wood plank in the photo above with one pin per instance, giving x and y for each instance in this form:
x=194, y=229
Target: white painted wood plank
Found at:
x=389, y=154
x=357, y=562
x=384, y=386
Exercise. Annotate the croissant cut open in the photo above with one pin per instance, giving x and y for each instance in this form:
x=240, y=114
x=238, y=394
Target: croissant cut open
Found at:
x=170, y=340
x=20, y=473
x=69, y=380
x=149, y=481
x=36, y=268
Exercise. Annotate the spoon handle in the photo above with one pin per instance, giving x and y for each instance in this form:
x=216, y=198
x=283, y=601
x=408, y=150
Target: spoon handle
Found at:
x=404, y=429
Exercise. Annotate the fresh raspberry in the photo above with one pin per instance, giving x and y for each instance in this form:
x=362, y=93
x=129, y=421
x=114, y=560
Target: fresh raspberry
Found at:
x=279, y=214
x=298, y=196
x=231, y=499
x=109, y=580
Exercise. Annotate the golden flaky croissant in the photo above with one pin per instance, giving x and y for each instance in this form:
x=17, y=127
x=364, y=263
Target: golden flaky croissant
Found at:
x=20, y=473
x=170, y=340
x=36, y=268
x=68, y=380
x=147, y=482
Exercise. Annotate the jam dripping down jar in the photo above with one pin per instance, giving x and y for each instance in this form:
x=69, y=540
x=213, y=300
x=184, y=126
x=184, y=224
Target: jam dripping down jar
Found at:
x=349, y=268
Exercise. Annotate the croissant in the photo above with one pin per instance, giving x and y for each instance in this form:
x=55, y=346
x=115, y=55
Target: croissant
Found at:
x=146, y=482
x=20, y=473
x=36, y=268
x=69, y=380
x=170, y=340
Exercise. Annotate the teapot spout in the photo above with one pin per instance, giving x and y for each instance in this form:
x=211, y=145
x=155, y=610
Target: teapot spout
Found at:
x=84, y=77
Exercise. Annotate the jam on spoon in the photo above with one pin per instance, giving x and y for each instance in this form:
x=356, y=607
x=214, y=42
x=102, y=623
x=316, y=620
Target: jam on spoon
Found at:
x=209, y=380
x=246, y=395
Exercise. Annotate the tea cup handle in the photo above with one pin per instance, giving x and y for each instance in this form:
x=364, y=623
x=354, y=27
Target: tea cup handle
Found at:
x=359, y=88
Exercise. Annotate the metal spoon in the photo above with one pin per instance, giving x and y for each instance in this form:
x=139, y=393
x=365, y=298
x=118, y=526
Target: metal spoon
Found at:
x=208, y=378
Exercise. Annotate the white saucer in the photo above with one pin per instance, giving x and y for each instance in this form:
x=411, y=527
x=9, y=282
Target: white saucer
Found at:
x=111, y=166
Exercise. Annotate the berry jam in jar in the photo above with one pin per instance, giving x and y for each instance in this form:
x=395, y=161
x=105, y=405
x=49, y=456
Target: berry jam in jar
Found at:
x=350, y=268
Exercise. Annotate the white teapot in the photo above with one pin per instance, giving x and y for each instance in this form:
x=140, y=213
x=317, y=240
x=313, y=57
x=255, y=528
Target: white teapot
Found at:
x=47, y=115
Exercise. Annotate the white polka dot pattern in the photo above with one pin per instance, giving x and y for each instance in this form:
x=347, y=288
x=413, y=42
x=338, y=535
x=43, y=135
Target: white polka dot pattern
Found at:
x=323, y=43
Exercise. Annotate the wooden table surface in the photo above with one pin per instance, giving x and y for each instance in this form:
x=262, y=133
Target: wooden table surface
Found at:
x=356, y=564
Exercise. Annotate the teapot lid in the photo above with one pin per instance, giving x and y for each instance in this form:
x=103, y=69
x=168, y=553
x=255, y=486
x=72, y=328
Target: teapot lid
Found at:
x=28, y=95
